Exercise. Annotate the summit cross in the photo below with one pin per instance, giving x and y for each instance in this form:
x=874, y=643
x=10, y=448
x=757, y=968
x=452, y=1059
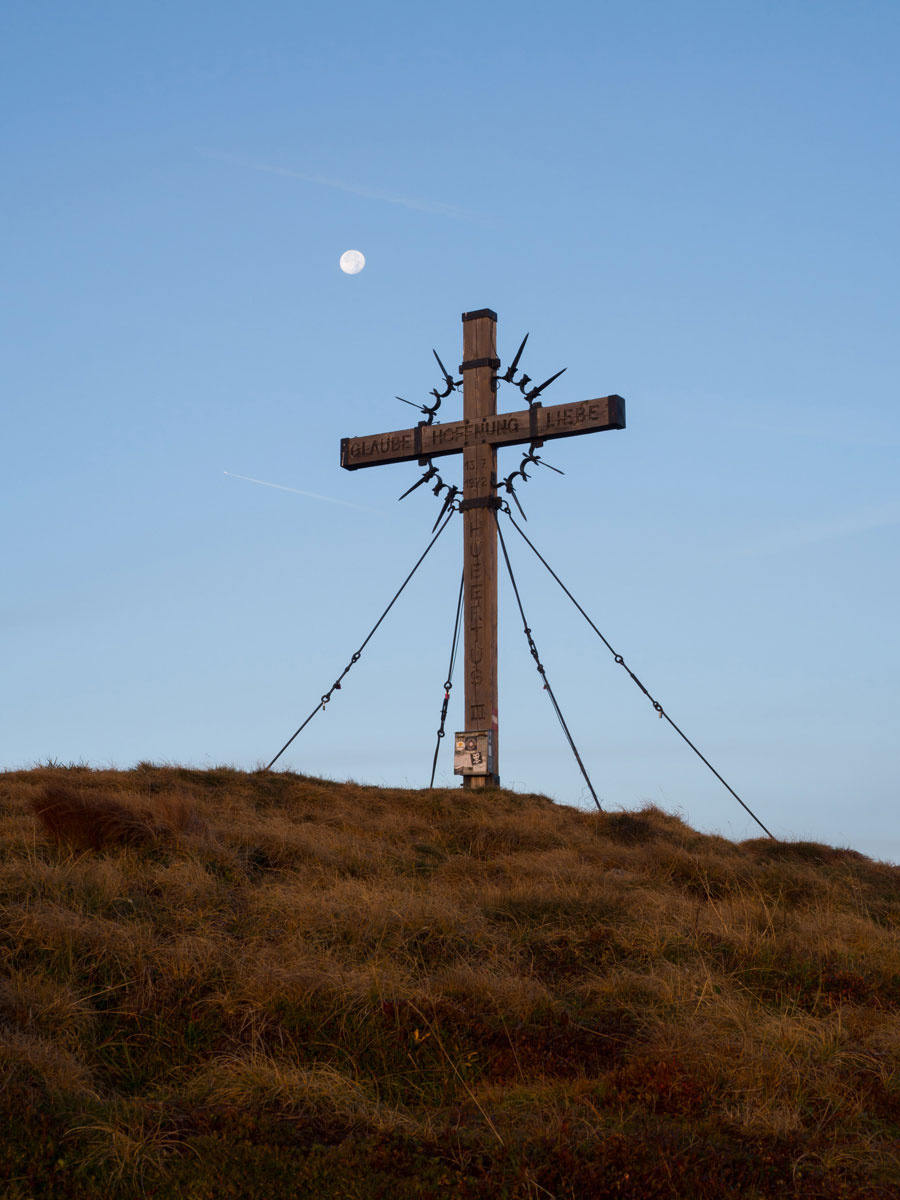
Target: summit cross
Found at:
x=477, y=437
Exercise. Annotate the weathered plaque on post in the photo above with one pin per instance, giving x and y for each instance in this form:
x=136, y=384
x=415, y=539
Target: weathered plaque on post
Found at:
x=473, y=753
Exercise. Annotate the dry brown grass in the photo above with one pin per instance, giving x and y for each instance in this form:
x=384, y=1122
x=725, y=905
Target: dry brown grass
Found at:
x=503, y=991
x=90, y=821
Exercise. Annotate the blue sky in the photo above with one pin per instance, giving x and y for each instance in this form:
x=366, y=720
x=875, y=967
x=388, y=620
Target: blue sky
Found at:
x=691, y=204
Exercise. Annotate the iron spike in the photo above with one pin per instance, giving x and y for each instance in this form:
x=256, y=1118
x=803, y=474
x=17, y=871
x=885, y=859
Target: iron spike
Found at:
x=515, y=361
x=411, y=403
x=428, y=475
x=448, y=378
x=448, y=500
x=535, y=392
x=512, y=491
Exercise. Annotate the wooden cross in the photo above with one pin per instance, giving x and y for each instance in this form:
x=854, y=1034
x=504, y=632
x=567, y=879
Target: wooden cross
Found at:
x=477, y=437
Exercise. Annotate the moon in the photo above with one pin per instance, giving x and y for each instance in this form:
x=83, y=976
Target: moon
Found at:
x=352, y=262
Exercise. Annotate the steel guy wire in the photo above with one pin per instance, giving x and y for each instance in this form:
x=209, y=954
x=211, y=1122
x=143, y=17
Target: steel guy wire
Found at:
x=622, y=663
x=336, y=686
x=540, y=666
x=448, y=682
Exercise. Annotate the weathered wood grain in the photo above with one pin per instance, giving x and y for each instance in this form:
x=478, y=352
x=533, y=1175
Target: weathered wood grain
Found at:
x=480, y=539
x=541, y=423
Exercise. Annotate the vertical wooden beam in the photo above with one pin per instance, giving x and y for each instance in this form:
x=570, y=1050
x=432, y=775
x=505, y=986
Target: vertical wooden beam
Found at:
x=480, y=535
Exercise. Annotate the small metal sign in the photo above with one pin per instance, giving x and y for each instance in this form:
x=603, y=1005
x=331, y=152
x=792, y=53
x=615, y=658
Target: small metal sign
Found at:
x=474, y=753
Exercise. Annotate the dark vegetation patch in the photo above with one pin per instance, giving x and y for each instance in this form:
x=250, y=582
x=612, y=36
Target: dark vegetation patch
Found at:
x=802, y=852
x=628, y=828
x=90, y=823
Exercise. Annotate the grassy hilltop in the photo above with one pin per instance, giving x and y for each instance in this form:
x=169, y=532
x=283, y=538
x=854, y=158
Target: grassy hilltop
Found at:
x=225, y=985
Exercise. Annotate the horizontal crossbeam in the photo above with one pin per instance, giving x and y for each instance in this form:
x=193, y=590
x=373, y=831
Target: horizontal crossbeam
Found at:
x=535, y=424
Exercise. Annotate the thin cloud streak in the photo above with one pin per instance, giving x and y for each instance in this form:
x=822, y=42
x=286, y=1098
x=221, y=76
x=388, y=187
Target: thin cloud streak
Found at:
x=435, y=207
x=299, y=492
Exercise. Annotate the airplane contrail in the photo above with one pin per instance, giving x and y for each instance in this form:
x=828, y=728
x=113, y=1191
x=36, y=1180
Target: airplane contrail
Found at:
x=299, y=492
x=435, y=207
